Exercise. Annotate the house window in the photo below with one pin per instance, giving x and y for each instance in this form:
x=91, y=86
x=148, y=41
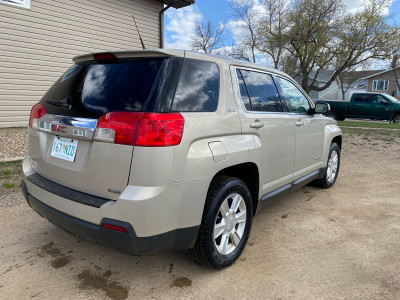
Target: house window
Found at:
x=380, y=85
x=22, y=3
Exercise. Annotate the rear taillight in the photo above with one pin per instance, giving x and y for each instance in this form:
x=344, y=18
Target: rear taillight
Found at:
x=117, y=127
x=140, y=129
x=159, y=130
x=37, y=111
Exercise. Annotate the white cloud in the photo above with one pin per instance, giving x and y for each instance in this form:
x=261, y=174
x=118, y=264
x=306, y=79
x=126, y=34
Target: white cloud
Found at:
x=180, y=25
x=353, y=6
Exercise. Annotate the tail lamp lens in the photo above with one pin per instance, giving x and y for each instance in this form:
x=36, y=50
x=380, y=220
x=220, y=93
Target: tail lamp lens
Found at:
x=160, y=130
x=140, y=129
x=117, y=127
x=37, y=111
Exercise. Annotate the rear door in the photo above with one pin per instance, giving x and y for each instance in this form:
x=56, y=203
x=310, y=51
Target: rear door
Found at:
x=264, y=118
x=309, y=129
x=360, y=106
x=64, y=148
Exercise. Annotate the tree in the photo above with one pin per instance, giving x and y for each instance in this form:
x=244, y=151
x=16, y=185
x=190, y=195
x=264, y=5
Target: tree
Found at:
x=395, y=65
x=247, y=17
x=207, y=38
x=352, y=74
x=310, y=36
x=271, y=31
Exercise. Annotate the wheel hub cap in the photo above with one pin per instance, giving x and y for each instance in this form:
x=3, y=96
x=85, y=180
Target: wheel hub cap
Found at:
x=230, y=224
x=333, y=164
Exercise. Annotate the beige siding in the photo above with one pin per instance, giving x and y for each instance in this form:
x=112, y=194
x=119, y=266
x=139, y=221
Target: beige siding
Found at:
x=37, y=44
x=392, y=86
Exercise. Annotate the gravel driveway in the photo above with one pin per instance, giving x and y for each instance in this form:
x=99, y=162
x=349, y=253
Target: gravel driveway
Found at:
x=13, y=143
x=341, y=243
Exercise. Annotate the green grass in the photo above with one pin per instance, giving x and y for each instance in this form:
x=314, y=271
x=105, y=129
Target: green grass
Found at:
x=368, y=124
x=8, y=185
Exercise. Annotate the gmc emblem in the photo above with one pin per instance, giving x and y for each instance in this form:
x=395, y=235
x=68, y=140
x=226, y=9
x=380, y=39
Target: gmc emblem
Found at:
x=58, y=128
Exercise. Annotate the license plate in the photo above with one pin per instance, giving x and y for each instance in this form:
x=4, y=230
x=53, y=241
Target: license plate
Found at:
x=64, y=148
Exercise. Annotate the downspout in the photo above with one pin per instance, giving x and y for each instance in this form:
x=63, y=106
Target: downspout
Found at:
x=162, y=23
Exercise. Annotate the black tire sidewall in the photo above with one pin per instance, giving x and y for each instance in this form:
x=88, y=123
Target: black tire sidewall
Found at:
x=233, y=186
x=395, y=118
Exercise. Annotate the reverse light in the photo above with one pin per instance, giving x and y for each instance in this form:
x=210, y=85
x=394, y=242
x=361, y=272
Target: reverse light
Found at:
x=37, y=111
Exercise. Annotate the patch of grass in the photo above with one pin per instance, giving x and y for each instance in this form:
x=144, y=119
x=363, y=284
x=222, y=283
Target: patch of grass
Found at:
x=5, y=174
x=8, y=185
x=10, y=177
x=368, y=124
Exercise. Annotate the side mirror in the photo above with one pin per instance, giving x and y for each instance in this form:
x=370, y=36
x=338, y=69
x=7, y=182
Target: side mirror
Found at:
x=322, y=108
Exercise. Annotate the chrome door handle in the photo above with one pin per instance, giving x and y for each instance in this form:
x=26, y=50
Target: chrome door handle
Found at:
x=257, y=124
x=299, y=123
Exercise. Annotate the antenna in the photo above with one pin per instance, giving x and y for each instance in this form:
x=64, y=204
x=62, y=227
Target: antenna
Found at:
x=137, y=28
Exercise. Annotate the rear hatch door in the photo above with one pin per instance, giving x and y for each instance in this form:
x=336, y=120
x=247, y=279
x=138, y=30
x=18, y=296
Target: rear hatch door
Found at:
x=63, y=148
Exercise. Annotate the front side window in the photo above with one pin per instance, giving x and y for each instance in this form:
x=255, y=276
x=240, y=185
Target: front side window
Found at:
x=380, y=85
x=22, y=3
x=296, y=101
x=377, y=99
x=261, y=91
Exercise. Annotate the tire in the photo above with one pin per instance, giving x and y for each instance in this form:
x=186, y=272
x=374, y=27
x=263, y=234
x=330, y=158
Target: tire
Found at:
x=332, y=168
x=396, y=119
x=223, y=193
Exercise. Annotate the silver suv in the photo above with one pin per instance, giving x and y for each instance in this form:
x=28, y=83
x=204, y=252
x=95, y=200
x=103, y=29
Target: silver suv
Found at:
x=151, y=150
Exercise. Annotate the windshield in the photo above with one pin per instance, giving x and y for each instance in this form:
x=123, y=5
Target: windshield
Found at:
x=393, y=99
x=91, y=89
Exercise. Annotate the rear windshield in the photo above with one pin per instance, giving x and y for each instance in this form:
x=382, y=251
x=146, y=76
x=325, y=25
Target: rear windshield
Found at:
x=92, y=89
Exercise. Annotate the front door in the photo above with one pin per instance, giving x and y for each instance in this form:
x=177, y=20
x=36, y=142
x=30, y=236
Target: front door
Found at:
x=309, y=129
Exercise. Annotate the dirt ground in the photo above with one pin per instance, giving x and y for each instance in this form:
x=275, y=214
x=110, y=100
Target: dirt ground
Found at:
x=341, y=243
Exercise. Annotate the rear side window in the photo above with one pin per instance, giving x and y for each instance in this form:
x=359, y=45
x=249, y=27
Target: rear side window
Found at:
x=361, y=98
x=91, y=89
x=261, y=90
x=198, y=87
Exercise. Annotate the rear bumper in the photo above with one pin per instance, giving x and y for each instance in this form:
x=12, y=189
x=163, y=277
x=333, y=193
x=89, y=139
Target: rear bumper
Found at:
x=126, y=242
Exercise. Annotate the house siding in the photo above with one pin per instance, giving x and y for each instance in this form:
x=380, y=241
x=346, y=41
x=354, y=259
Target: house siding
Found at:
x=392, y=87
x=37, y=44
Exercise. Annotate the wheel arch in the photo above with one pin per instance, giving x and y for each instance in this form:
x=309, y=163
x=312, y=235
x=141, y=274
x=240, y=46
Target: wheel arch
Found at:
x=338, y=140
x=395, y=114
x=248, y=172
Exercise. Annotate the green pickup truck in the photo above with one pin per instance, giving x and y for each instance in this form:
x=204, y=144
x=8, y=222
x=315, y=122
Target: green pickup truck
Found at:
x=377, y=106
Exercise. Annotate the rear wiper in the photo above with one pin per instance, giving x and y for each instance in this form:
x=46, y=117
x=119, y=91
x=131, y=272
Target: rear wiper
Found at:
x=60, y=103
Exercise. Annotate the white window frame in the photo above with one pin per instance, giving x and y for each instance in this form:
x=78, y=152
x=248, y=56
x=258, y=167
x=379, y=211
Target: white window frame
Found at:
x=385, y=85
x=20, y=3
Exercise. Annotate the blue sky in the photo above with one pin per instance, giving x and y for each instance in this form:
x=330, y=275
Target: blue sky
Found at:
x=179, y=23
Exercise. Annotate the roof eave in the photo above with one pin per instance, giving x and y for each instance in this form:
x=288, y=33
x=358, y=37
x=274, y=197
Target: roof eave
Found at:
x=177, y=3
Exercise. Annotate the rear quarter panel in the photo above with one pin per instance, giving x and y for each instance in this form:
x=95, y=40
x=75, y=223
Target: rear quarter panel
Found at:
x=194, y=159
